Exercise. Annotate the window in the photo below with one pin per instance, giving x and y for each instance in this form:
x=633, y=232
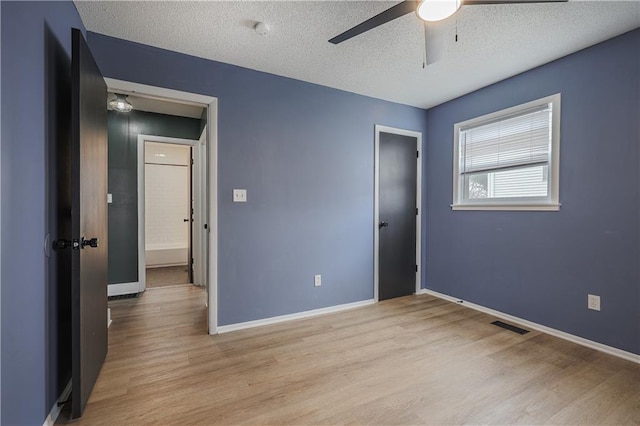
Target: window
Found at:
x=509, y=160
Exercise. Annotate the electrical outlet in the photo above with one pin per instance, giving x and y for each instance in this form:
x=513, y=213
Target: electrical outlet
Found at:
x=593, y=302
x=317, y=280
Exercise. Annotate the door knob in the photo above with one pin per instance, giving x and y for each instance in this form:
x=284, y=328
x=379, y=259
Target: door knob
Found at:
x=93, y=242
x=383, y=225
x=185, y=220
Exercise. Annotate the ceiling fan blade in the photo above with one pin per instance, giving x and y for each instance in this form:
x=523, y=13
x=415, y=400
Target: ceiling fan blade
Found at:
x=479, y=2
x=400, y=9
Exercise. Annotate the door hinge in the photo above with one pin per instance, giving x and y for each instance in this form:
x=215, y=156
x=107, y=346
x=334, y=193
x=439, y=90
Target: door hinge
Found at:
x=416, y=211
x=416, y=268
x=192, y=161
x=417, y=154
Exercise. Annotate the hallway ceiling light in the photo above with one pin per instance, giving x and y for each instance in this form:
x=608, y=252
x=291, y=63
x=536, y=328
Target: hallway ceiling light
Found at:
x=120, y=103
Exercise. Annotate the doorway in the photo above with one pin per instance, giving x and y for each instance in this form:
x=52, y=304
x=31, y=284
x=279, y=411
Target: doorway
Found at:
x=397, y=212
x=172, y=207
x=127, y=134
x=209, y=194
x=169, y=210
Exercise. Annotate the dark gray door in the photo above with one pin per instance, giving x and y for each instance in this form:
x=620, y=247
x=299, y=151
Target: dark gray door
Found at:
x=89, y=222
x=397, y=213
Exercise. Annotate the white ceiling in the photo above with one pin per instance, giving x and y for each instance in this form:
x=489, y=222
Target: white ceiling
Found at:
x=494, y=42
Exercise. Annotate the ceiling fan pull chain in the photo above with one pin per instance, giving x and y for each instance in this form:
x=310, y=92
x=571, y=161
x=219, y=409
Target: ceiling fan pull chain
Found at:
x=456, y=30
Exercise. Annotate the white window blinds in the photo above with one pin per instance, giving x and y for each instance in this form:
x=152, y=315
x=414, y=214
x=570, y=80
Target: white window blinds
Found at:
x=512, y=142
x=509, y=159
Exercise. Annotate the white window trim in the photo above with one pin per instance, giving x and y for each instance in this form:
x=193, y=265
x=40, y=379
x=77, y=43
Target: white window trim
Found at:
x=550, y=203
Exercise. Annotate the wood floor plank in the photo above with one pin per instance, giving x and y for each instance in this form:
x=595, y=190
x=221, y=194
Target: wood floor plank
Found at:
x=411, y=360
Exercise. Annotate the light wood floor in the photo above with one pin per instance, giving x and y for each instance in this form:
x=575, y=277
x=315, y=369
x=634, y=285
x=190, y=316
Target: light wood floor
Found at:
x=170, y=275
x=412, y=360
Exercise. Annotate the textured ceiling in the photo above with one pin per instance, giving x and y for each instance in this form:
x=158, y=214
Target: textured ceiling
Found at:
x=494, y=42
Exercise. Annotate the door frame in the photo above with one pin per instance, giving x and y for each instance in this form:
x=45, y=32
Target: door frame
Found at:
x=201, y=239
x=198, y=213
x=376, y=206
x=211, y=103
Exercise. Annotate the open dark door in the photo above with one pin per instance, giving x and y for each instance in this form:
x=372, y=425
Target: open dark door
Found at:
x=89, y=222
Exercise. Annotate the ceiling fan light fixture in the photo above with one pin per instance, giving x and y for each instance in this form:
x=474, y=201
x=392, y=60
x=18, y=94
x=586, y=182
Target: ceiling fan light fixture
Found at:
x=120, y=103
x=437, y=10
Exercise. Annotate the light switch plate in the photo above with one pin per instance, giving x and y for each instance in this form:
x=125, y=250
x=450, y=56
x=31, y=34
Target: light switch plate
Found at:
x=239, y=195
x=109, y=198
x=593, y=302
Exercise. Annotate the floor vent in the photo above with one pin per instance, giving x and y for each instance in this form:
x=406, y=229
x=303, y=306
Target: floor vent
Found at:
x=123, y=296
x=510, y=327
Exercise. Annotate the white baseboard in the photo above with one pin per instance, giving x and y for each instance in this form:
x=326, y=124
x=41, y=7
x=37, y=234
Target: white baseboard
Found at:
x=56, y=409
x=290, y=317
x=164, y=257
x=629, y=356
x=123, y=288
x=166, y=265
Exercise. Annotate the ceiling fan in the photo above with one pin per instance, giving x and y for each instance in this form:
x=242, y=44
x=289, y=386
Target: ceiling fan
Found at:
x=427, y=10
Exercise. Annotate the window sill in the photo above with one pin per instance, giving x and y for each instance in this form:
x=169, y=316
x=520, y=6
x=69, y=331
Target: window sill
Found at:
x=508, y=207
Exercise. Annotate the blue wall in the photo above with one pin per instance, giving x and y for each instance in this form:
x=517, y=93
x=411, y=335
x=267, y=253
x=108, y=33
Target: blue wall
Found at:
x=305, y=155
x=27, y=376
x=540, y=265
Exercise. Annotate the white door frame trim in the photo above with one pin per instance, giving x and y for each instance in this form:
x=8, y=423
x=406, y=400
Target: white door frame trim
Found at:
x=376, y=209
x=127, y=87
